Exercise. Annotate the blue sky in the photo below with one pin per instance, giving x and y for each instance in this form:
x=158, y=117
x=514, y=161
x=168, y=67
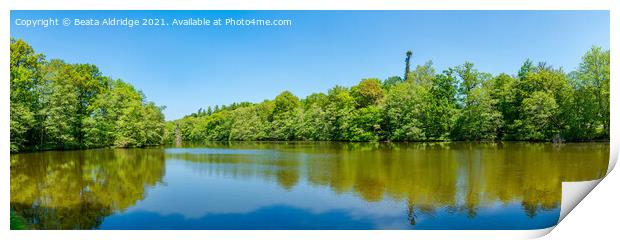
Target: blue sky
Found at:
x=185, y=68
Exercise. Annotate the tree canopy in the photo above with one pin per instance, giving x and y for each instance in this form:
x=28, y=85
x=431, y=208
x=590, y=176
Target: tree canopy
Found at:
x=538, y=103
x=57, y=105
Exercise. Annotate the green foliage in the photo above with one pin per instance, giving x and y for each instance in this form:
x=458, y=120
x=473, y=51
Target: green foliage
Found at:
x=539, y=115
x=338, y=108
x=591, y=96
x=502, y=90
x=18, y=222
x=539, y=103
x=391, y=81
x=284, y=117
x=440, y=107
x=56, y=105
x=313, y=124
x=26, y=75
x=403, y=111
x=543, y=98
x=367, y=92
x=422, y=74
x=78, y=189
x=480, y=119
x=365, y=124
x=249, y=123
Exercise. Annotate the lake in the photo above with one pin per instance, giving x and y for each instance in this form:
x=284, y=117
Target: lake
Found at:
x=302, y=185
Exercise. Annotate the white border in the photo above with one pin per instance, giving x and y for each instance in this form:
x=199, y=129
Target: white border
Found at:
x=282, y=5
x=313, y=5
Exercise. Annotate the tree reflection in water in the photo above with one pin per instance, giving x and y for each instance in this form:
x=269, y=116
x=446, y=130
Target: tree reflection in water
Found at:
x=78, y=189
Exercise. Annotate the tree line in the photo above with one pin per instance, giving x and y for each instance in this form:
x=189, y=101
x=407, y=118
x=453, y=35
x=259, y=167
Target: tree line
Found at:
x=57, y=105
x=538, y=103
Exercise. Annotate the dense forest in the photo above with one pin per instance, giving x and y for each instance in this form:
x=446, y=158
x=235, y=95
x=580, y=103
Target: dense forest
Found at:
x=539, y=103
x=56, y=105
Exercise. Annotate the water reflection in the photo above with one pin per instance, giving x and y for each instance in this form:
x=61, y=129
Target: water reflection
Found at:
x=319, y=185
x=77, y=189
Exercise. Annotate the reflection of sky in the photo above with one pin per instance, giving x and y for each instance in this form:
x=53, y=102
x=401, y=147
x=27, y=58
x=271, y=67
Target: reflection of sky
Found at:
x=190, y=199
x=225, y=194
x=214, y=151
x=504, y=217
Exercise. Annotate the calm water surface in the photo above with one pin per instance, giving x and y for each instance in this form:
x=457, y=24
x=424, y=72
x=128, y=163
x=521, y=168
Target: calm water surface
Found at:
x=302, y=185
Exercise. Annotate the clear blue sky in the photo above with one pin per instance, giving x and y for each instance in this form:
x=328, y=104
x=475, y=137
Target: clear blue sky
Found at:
x=185, y=68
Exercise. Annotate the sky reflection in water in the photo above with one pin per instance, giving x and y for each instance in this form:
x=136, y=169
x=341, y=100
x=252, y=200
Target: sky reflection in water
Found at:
x=302, y=186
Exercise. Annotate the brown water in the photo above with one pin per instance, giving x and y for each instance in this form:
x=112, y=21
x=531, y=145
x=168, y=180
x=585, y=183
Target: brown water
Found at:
x=302, y=185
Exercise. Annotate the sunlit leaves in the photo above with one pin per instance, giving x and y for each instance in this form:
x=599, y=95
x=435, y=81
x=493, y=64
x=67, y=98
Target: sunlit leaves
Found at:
x=56, y=105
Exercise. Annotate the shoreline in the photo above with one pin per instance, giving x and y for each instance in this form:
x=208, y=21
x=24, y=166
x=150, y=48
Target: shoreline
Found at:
x=322, y=142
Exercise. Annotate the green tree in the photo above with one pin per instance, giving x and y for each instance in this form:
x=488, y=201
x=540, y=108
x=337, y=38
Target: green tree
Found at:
x=422, y=74
x=539, y=117
x=56, y=105
x=545, y=91
x=121, y=117
x=365, y=125
x=526, y=67
x=591, y=101
x=540, y=103
x=502, y=90
x=391, y=81
x=468, y=79
x=314, y=122
x=480, y=119
x=338, y=110
x=284, y=118
x=26, y=75
x=440, y=106
x=61, y=122
x=402, y=111
x=367, y=92
x=251, y=123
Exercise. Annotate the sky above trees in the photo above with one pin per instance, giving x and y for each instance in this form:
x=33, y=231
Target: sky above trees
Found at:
x=188, y=68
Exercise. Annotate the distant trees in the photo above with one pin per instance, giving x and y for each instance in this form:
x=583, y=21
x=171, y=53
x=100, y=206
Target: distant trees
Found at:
x=56, y=105
x=539, y=103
